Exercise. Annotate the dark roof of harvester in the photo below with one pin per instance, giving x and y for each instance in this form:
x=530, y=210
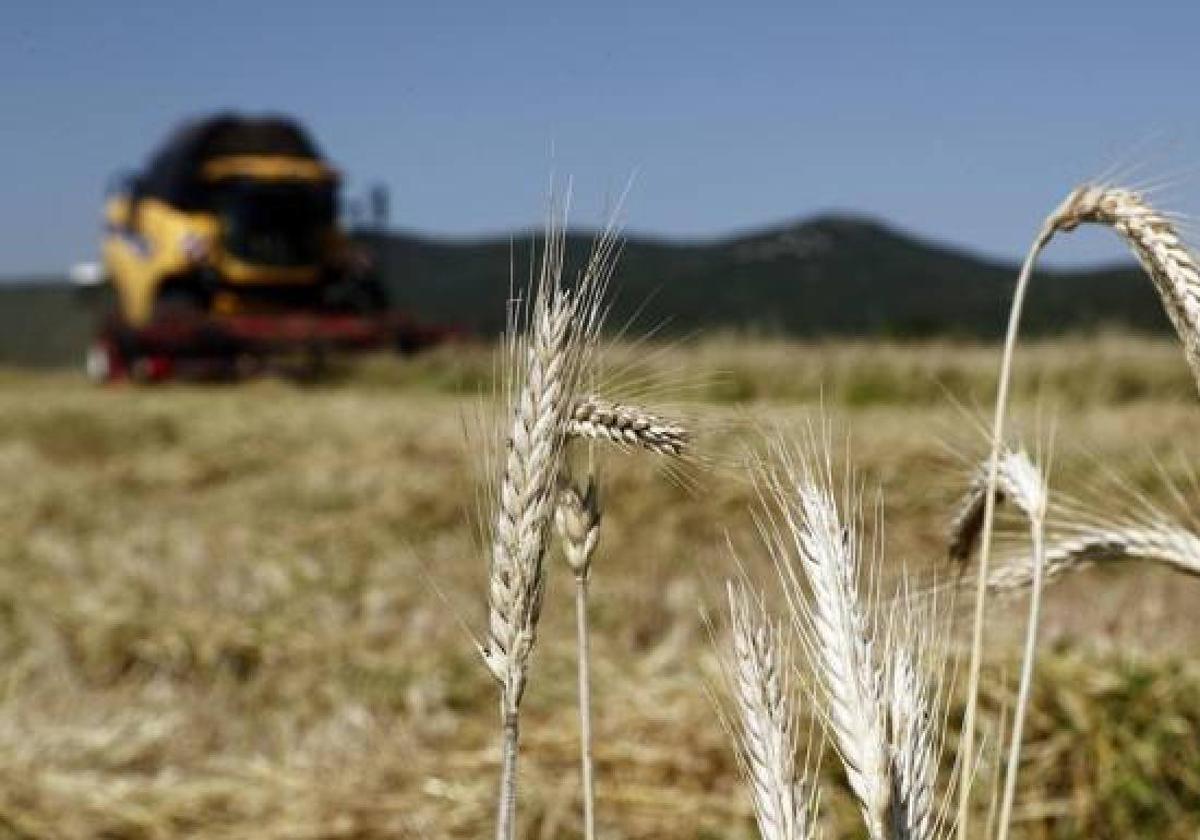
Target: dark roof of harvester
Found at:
x=174, y=172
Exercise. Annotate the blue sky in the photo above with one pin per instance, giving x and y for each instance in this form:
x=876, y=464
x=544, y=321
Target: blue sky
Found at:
x=958, y=121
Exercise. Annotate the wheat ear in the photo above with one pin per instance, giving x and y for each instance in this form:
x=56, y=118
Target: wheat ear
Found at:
x=758, y=670
x=1171, y=545
x=913, y=747
x=881, y=717
x=1017, y=480
x=577, y=518
x=547, y=365
x=837, y=632
x=523, y=514
x=1172, y=268
x=526, y=500
x=595, y=418
x=1156, y=244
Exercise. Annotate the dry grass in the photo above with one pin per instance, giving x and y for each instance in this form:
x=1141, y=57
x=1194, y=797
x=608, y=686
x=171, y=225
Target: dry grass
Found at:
x=218, y=617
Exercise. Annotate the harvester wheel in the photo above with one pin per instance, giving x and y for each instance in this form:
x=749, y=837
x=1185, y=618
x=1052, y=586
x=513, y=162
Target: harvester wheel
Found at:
x=149, y=370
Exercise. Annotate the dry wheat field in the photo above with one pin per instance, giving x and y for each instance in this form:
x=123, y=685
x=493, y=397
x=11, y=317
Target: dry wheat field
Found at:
x=252, y=611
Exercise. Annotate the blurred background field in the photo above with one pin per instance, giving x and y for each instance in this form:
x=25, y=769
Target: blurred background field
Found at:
x=237, y=612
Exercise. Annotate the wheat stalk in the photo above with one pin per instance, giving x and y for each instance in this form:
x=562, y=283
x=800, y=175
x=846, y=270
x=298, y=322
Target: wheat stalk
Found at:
x=837, y=632
x=1029, y=486
x=577, y=518
x=877, y=705
x=758, y=670
x=872, y=696
x=1172, y=268
x=546, y=364
x=519, y=539
x=595, y=418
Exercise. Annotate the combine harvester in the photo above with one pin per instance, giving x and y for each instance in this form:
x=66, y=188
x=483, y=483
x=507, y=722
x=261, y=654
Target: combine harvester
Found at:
x=227, y=260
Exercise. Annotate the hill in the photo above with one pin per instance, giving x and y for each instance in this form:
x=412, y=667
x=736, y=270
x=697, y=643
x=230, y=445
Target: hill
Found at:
x=831, y=275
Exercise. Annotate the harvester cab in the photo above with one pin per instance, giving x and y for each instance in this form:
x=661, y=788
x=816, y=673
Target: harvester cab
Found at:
x=226, y=253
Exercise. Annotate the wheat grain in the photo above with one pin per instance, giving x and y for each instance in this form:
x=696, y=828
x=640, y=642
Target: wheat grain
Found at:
x=627, y=425
x=758, y=671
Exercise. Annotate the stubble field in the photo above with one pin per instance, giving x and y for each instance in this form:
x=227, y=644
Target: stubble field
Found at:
x=231, y=612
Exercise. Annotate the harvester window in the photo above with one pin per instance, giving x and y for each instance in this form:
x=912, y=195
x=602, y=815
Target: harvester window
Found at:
x=276, y=224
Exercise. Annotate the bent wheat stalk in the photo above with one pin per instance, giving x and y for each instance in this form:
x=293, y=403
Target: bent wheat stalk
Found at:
x=1173, y=270
x=577, y=519
x=758, y=669
x=627, y=425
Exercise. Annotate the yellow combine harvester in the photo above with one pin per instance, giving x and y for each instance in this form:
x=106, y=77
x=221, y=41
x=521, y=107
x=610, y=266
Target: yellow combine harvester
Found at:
x=226, y=253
